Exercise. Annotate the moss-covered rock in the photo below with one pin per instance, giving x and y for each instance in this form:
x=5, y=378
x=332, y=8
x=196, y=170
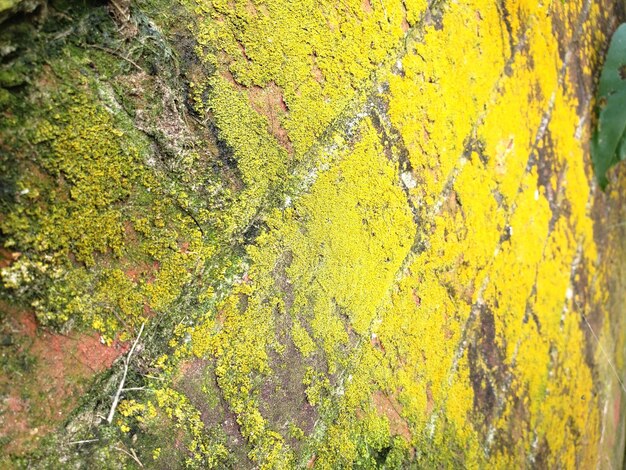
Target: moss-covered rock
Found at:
x=9, y=8
x=352, y=234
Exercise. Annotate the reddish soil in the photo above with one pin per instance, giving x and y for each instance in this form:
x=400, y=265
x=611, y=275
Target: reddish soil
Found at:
x=390, y=407
x=130, y=234
x=44, y=374
x=146, y=270
x=192, y=375
x=317, y=73
x=269, y=102
x=7, y=257
x=405, y=25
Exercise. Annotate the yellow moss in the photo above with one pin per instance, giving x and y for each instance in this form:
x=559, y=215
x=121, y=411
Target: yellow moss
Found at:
x=356, y=230
x=172, y=275
x=261, y=161
x=490, y=240
x=445, y=82
x=347, y=237
x=302, y=340
x=130, y=408
x=492, y=196
x=316, y=54
x=467, y=321
x=118, y=290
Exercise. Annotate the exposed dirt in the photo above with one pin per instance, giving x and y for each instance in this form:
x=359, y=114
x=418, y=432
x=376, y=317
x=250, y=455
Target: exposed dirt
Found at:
x=7, y=257
x=283, y=395
x=391, y=408
x=145, y=271
x=44, y=376
x=269, y=102
x=487, y=367
x=197, y=381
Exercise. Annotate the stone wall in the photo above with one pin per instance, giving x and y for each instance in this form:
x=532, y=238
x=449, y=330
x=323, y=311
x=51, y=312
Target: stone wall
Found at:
x=360, y=233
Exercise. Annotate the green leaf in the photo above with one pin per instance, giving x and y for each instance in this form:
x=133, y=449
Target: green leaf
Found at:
x=608, y=136
x=601, y=163
x=621, y=151
x=611, y=79
x=608, y=143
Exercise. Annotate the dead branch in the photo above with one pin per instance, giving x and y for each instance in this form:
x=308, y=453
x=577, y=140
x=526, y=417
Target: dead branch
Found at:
x=116, y=399
x=132, y=455
x=84, y=441
x=116, y=54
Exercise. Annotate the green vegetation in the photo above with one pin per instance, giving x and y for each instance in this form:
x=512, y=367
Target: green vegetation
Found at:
x=608, y=144
x=107, y=232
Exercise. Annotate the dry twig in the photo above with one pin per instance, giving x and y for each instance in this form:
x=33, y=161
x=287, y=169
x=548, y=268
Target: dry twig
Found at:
x=131, y=454
x=116, y=399
x=84, y=441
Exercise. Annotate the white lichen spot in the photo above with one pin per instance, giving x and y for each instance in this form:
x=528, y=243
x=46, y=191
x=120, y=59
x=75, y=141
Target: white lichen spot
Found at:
x=408, y=180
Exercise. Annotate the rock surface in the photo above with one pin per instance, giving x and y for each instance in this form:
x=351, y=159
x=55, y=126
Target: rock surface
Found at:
x=359, y=234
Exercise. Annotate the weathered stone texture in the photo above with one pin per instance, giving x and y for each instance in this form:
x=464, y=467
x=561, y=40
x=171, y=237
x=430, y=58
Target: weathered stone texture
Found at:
x=360, y=233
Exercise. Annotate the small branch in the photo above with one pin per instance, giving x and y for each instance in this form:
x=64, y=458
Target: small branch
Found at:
x=84, y=441
x=152, y=377
x=132, y=456
x=132, y=451
x=187, y=212
x=123, y=12
x=115, y=53
x=121, y=386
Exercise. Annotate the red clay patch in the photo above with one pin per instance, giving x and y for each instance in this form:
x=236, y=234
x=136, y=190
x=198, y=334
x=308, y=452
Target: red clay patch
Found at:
x=47, y=373
x=143, y=270
x=269, y=102
x=405, y=25
x=7, y=257
x=390, y=407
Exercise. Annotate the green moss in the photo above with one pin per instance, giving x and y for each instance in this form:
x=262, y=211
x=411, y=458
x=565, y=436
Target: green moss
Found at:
x=261, y=162
x=11, y=78
x=103, y=237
